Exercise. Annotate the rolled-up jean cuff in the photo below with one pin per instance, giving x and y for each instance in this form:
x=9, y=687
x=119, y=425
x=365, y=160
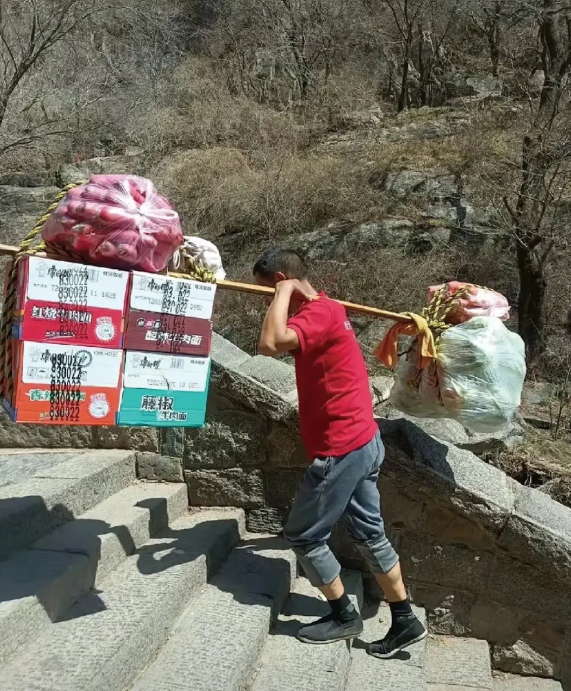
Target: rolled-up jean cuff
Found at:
x=318, y=563
x=379, y=554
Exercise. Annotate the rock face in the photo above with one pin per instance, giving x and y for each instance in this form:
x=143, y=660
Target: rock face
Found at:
x=453, y=432
x=108, y=165
x=20, y=209
x=487, y=557
x=337, y=242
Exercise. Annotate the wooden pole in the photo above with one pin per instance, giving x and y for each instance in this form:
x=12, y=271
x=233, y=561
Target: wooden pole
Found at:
x=350, y=306
x=252, y=289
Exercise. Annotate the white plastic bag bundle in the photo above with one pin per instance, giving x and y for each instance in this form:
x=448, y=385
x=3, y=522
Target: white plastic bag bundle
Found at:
x=204, y=252
x=476, y=379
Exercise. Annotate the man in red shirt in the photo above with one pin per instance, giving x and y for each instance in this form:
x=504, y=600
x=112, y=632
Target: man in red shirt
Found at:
x=341, y=437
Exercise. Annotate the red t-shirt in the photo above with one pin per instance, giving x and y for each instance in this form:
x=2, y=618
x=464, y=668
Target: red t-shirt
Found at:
x=335, y=403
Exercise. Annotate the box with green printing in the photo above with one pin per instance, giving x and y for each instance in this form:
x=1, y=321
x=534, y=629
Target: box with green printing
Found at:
x=163, y=390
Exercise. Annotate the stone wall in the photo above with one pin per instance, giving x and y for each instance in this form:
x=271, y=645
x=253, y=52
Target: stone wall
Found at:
x=486, y=556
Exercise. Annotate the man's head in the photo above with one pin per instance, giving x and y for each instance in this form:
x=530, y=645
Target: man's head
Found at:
x=277, y=265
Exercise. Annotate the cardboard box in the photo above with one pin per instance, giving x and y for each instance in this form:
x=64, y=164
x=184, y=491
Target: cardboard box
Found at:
x=164, y=390
x=167, y=333
x=165, y=295
x=67, y=303
x=68, y=385
x=162, y=408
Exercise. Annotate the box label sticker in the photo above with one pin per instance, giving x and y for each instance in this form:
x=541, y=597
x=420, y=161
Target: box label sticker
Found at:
x=172, y=296
x=76, y=284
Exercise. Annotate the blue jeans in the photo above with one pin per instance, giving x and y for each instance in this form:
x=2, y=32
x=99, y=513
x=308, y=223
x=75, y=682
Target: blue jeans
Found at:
x=333, y=488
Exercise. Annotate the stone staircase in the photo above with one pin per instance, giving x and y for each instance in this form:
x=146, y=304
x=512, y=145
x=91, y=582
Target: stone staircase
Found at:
x=108, y=583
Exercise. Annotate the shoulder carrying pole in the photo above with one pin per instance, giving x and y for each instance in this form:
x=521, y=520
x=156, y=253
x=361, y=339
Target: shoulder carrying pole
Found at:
x=8, y=250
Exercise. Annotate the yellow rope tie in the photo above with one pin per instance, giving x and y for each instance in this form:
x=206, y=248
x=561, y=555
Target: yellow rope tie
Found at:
x=6, y=374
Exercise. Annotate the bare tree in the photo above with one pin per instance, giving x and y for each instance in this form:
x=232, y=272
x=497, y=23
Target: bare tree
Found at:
x=29, y=31
x=545, y=175
x=493, y=19
x=282, y=47
x=406, y=15
x=413, y=34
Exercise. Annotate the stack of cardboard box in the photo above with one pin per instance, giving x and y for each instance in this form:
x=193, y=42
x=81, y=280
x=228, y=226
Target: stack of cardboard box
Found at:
x=70, y=326
x=167, y=342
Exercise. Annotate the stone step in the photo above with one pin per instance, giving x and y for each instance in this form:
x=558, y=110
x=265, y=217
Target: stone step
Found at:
x=289, y=665
x=458, y=664
x=406, y=672
x=108, y=636
x=41, y=491
x=510, y=682
x=39, y=583
x=220, y=636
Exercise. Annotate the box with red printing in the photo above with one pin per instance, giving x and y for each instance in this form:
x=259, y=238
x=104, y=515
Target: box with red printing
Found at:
x=169, y=315
x=67, y=303
x=63, y=384
x=167, y=333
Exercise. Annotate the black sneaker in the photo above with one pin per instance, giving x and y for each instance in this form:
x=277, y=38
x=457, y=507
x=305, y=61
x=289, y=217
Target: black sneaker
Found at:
x=328, y=630
x=403, y=632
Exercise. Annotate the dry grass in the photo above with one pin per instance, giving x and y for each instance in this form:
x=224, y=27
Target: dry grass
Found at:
x=195, y=109
x=542, y=463
x=224, y=191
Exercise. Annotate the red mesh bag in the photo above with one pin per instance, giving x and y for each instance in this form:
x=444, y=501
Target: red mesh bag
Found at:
x=118, y=221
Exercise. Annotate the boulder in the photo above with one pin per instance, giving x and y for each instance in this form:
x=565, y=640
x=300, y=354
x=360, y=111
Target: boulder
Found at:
x=487, y=86
x=429, y=183
x=538, y=393
x=372, y=335
x=20, y=209
x=26, y=179
x=380, y=389
x=26, y=200
x=340, y=241
x=106, y=165
x=452, y=432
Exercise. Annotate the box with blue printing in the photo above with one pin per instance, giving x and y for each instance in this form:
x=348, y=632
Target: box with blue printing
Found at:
x=163, y=390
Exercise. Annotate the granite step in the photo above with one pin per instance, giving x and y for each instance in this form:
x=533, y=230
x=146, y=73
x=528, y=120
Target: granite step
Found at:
x=289, y=665
x=42, y=491
x=218, y=640
x=406, y=672
x=105, y=639
x=458, y=664
x=39, y=583
x=510, y=682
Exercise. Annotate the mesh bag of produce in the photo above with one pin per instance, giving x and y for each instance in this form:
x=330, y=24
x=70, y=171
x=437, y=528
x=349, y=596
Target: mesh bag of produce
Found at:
x=476, y=378
x=470, y=301
x=118, y=221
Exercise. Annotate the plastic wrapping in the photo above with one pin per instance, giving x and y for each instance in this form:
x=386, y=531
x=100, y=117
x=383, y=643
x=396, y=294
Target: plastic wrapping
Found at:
x=477, y=377
x=204, y=251
x=116, y=221
x=473, y=302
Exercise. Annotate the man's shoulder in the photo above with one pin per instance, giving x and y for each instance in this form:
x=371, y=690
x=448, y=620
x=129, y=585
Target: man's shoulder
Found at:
x=323, y=306
x=337, y=311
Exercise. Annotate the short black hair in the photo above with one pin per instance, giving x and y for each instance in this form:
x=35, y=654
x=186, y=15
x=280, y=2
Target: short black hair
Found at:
x=277, y=259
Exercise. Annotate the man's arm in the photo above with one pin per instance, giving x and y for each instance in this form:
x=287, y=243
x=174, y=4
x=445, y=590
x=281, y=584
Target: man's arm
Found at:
x=276, y=338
